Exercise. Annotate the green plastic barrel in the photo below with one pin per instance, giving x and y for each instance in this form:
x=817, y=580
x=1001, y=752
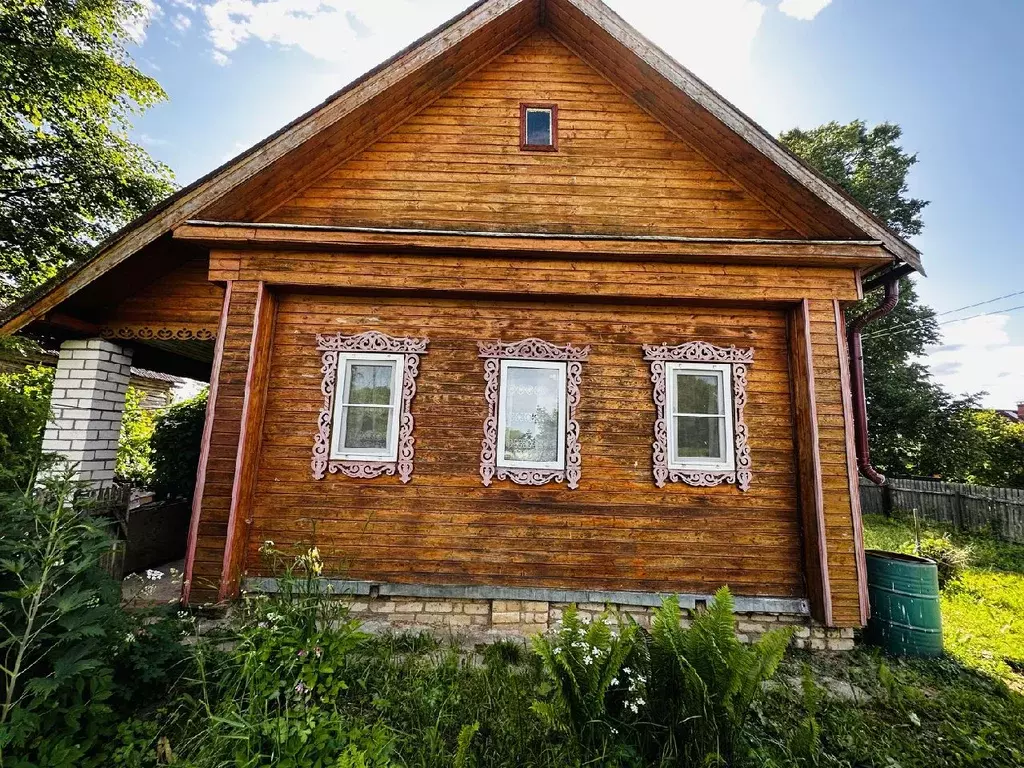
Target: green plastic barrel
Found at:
x=906, y=618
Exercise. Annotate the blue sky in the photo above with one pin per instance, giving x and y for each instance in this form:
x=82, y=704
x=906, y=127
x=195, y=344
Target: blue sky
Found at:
x=951, y=73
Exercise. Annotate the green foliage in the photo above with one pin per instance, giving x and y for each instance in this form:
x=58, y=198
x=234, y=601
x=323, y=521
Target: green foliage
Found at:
x=134, y=464
x=56, y=611
x=869, y=164
x=176, y=443
x=999, y=459
x=703, y=681
x=951, y=559
x=983, y=609
x=24, y=409
x=591, y=694
x=916, y=427
x=908, y=713
x=69, y=175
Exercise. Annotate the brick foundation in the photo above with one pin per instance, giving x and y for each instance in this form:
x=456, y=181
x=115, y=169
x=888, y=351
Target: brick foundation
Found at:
x=523, y=618
x=89, y=387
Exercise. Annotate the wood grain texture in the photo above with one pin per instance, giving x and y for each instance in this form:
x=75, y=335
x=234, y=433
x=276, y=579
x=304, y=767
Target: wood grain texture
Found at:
x=617, y=531
x=221, y=444
x=565, y=279
x=831, y=254
x=842, y=350
x=812, y=495
x=836, y=462
x=458, y=163
x=192, y=545
x=183, y=298
x=249, y=441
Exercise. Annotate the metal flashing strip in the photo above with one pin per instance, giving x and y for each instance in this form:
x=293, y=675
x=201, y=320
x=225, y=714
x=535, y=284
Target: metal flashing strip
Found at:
x=743, y=603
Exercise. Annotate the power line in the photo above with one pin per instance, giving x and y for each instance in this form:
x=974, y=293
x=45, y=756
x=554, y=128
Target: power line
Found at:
x=897, y=329
x=980, y=303
x=912, y=323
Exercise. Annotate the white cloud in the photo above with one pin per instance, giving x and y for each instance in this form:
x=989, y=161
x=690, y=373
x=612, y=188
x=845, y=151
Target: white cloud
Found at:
x=714, y=38
x=805, y=10
x=136, y=26
x=977, y=355
x=181, y=22
x=152, y=141
x=357, y=33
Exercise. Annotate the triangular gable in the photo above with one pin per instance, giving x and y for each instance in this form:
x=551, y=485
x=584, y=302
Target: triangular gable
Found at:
x=457, y=165
x=281, y=165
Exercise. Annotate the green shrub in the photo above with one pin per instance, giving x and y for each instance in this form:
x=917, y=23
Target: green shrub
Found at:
x=134, y=452
x=24, y=409
x=952, y=559
x=593, y=694
x=59, y=625
x=704, y=681
x=176, y=442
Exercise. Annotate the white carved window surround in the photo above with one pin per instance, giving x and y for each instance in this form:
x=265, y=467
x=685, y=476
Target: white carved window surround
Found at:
x=700, y=434
x=365, y=427
x=531, y=436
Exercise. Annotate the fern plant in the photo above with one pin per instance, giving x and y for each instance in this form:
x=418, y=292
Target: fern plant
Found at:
x=704, y=682
x=584, y=662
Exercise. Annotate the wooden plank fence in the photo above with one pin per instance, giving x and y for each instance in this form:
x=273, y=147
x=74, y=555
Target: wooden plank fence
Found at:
x=979, y=508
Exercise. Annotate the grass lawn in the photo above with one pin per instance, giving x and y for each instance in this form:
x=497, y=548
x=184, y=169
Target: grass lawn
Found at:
x=983, y=610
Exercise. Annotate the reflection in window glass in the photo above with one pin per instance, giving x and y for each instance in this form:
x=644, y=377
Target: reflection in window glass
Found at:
x=532, y=401
x=367, y=407
x=538, y=127
x=699, y=417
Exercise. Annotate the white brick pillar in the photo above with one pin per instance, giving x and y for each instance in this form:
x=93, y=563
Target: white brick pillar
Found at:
x=87, y=401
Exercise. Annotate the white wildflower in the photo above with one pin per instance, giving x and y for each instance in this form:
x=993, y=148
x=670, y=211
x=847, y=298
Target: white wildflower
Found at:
x=154, y=575
x=627, y=670
x=640, y=702
x=129, y=638
x=615, y=681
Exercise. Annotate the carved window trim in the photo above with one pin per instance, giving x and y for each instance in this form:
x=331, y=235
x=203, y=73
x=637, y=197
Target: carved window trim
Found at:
x=700, y=352
x=532, y=349
x=332, y=347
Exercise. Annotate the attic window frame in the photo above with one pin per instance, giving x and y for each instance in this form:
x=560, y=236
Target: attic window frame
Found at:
x=524, y=146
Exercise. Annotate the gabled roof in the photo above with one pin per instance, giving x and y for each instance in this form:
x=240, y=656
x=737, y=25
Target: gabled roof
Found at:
x=369, y=107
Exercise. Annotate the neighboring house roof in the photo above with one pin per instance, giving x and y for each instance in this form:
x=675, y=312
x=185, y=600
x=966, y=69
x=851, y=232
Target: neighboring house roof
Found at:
x=48, y=357
x=405, y=83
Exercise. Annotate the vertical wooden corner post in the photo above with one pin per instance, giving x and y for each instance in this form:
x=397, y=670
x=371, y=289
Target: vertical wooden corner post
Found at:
x=811, y=490
x=249, y=438
x=204, y=451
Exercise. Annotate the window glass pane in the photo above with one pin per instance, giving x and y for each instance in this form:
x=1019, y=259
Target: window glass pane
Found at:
x=366, y=428
x=697, y=393
x=532, y=401
x=699, y=437
x=370, y=383
x=538, y=126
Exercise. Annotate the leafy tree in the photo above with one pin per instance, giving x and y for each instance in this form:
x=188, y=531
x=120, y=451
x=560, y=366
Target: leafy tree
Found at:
x=916, y=427
x=176, y=443
x=134, y=453
x=24, y=408
x=69, y=175
x=1000, y=461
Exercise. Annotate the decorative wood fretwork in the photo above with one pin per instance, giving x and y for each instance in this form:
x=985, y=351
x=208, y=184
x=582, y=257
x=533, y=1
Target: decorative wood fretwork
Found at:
x=531, y=349
x=701, y=352
x=330, y=347
x=147, y=333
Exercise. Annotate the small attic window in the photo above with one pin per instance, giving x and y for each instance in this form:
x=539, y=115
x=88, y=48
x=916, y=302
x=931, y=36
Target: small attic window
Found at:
x=538, y=127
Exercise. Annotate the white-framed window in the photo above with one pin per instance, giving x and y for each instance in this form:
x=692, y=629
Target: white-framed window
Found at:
x=531, y=414
x=699, y=412
x=367, y=407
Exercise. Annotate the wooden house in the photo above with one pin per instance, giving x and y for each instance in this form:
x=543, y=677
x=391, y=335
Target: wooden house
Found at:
x=527, y=315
